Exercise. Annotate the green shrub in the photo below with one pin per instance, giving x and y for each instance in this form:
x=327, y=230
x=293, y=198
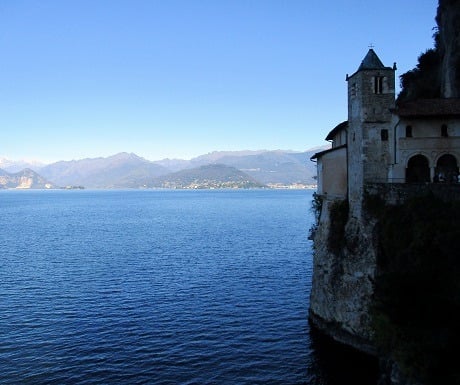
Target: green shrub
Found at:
x=316, y=208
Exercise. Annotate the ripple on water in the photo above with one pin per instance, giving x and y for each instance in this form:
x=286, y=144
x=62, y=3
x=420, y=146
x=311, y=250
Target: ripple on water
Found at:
x=161, y=287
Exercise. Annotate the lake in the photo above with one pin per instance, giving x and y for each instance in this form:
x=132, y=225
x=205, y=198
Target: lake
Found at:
x=159, y=287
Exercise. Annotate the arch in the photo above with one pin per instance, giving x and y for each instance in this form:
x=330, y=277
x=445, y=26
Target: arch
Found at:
x=455, y=154
x=410, y=155
x=447, y=168
x=418, y=169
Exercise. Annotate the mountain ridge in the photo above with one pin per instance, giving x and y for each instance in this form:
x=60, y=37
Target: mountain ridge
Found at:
x=116, y=171
x=25, y=179
x=127, y=170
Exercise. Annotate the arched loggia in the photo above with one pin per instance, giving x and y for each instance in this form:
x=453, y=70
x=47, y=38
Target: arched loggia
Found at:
x=446, y=169
x=418, y=170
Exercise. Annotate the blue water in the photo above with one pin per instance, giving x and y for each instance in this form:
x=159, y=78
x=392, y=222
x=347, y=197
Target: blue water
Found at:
x=156, y=287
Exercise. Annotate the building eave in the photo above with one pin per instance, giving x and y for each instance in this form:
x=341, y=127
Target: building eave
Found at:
x=369, y=69
x=336, y=129
x=320, y=154
x=428, y=108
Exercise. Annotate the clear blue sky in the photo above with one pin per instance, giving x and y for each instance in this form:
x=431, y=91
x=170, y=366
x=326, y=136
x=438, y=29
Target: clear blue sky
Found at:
x=179, y=78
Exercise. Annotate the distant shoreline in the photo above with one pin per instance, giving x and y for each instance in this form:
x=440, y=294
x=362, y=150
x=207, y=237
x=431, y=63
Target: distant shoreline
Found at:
x=73, y=188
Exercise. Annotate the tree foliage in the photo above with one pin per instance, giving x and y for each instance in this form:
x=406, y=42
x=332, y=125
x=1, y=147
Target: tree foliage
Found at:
x=422, y=82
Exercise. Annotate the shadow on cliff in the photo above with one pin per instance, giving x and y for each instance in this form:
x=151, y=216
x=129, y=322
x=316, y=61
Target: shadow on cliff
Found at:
x=417, y=291
x=338, y=364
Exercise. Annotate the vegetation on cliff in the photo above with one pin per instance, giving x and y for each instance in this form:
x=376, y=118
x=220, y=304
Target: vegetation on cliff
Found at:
x=423, y=81
x=338, y=217
x=417, y=290
x=316, y=208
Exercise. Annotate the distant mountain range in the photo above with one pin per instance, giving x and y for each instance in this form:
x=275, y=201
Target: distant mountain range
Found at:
x=208, y=176
x=237, y=169
x=118, y=171
x=25, y=179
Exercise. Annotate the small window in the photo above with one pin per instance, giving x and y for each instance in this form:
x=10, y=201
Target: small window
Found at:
x=378, y=84
x=353, y=89
x=384, y=135
x=408, y=131
x=444, y=131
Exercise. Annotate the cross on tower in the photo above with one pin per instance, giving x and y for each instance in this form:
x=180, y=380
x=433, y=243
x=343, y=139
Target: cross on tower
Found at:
x=371, y=45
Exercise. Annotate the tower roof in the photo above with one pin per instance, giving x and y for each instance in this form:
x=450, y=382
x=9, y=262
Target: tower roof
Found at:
x=371, y=62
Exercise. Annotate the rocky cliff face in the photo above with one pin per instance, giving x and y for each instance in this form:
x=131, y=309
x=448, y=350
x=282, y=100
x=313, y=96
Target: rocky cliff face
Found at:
x=448, y=19
x=25, y=179
x=437, y=74
x=385, y=280
x=344, y=269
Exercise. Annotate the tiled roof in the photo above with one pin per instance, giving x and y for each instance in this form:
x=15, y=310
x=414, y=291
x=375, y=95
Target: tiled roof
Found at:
x=336, y=129
x=428, y=107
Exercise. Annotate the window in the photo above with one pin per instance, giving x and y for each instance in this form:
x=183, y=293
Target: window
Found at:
x=444, y=131
x=353, y=89
x=408, y=131
x=384, y=135
x=378, y=84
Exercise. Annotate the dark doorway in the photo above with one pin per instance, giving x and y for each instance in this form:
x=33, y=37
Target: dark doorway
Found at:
x=418, y=170
x=447, y=169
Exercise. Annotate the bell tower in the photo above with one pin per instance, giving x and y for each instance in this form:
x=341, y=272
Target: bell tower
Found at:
x=371, y=95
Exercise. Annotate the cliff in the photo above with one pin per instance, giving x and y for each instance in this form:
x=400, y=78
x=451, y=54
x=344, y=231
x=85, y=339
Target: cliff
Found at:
x=416, y=305
x=343, y=274
x=437, y=74
x=448, y=20
x=386, y=281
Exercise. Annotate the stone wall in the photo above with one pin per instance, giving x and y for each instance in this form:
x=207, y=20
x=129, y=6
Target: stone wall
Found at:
x=397, y=193
x=368, y=116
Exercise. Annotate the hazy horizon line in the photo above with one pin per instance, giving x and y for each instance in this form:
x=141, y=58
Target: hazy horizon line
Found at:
x=47, y=162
